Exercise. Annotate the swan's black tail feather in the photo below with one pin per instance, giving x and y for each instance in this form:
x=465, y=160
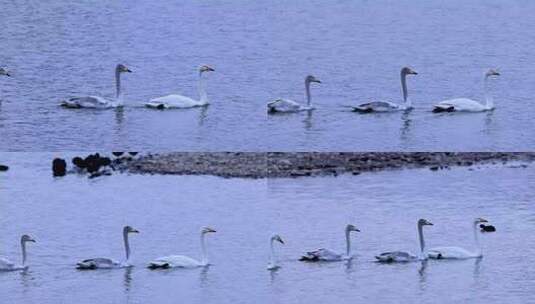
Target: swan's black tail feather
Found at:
x=441, y=109
x=158, y=266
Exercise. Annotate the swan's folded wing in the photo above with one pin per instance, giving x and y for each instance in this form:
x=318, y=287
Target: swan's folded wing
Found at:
x=321, y=254
x=395, y=256
x=173, y=101
x=176, y=261
x=6, y=264
x=375, y=106
x=97, y=263
x=283, y=105
x=85, y=102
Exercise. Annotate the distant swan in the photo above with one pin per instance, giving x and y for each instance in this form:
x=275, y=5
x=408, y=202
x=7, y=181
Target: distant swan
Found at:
x=181, y=260
x=7, y=265
x=107, y=263
x=175, y=101
x=404, y=256
x=328, y=255
x=386, y=106
x=287, y=106
x=272, y=264
x=458, y=252
x=4, y=72
x=98, y=102
x=469, y=105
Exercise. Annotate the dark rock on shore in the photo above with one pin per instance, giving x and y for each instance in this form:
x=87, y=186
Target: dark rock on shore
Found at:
x=59, y=167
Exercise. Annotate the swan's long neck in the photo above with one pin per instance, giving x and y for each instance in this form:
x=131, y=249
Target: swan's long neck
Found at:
x=272, y=259
x=117, y=84
x=348, y=243
x=489, y=101
x=307, y=92
x=476, y=240
x=421, y=238
x=204, y=256
x=126, y=245
x=23, y=246
x=202, y=90
x=406, y=99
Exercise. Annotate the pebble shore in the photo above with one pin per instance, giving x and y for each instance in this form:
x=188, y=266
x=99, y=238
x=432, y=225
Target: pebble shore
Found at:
x=283, y=164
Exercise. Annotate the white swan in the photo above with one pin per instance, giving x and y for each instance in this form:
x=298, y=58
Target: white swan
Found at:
x=387, y=106
x=107, y=263
x=181, y=260
x=328, y=255
x=175, y=101
x=98, y=102
x=272, y=264
x=458, y=252
x=404, y=256
x=7, y=265
x=288, y=106
x=469, y=105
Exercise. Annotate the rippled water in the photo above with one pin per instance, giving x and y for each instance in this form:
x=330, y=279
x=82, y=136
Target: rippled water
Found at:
x=263, y=51
x=357, y=49
x=74, y=218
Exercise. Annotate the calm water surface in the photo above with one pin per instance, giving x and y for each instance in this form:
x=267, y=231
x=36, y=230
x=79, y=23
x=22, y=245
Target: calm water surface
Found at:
x=74, y=218
x=263, y=51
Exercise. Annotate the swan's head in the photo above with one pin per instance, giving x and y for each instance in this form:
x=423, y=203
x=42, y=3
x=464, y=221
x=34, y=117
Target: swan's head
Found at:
x=205, y=68
x=311, y=78
x=26, y=238
x=4, y=72
x=492, y=72
x=408, y=71
x=277, y=238
x=424, y=222
x=121, y=68
x=350, y=228
x=480, y=220
x=206, y=230
x=129, y=229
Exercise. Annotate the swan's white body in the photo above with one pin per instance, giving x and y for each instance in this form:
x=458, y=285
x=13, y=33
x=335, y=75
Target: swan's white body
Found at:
x=7, y=265
x=327, y=255
x=272, y=264
x=405, y=256
x=452, y=252
x=98, y=102
x=181, y=261
x=175, y=101
x=289, y=106
x=387, y=106
x=469, y=105
x=107, y=263
x=92, y=102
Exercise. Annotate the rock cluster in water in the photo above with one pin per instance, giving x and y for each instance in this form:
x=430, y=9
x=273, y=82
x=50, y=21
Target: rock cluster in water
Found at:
x=94, y=165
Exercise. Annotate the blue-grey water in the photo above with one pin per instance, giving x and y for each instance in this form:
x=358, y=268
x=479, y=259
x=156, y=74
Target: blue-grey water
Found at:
x=262, y=51
x=74, y=218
